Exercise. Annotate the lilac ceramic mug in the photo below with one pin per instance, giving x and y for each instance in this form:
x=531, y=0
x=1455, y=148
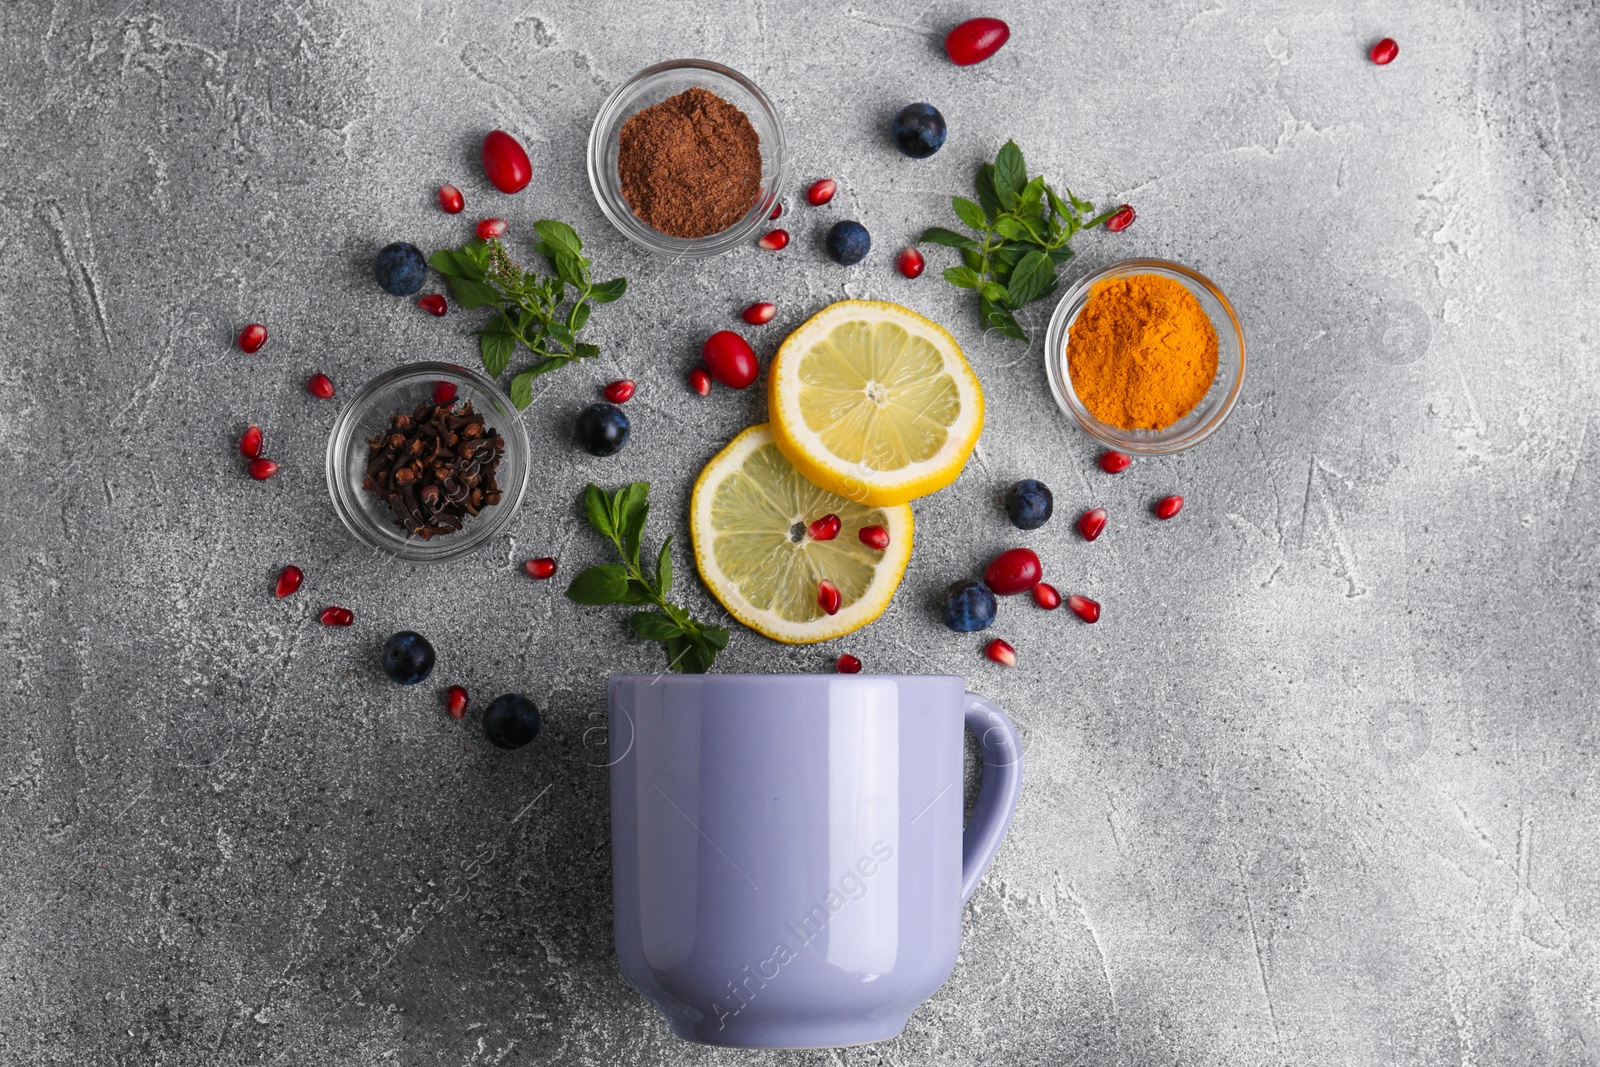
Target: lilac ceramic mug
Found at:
x=788, y=851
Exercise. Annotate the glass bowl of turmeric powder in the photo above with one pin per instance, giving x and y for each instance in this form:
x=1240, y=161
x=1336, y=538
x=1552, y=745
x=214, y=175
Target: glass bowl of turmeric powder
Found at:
x=1146, y=356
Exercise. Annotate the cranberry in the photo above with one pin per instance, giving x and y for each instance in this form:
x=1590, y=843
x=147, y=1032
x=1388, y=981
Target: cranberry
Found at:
x=1016, y=570
x=620, y=392
x=759, y=314
x=289, y=580
x=250, y=443
x=336, y=616
x=1384, y=52
x=821, y=191
x=825, y=528
x=910, y=263
x=1045, y=595
x=975, y=40
x=262, y=469
x=1092, y=523
x=730, y=359
x=505, y=162
x=444, y=392
x=829, y=598
x=455, y=702
x=252, y=337
x=450, y=200
x=874, y=537
x=1168, y=506
x=433, y=304
x=320, y=386
x=1121, y=220
x=700, y=381
x=1084, y=608
x=1115, y=462
x=543, y=567
x=489, y=229
x=774, y=240
x=847, y=664
x=1001, y=652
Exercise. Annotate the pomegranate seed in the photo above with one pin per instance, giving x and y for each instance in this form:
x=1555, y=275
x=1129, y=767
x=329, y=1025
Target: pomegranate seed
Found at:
x=1121, y=220
x=1045, y=595
x=1084, y=608
x=759, y=314
x=262, y=469
x=774, y=240
x=824, y=529
x=1168, y=506
x=505, y=161
x=1115, y=462
x=620, y=392
x=444, y=392
x=543, y=567
x=451, y=200
x=433, y=304
x=1092, y=523
x=874, y=537
x=337, y=616
x=828, y=597
x=730, y=359
x=700, y=381
x=1001, y=653
x=777, y=209
x=1016, y=570
x=910, y=263
x=1384, y=52
x=252, y=337
x=821, y=191
x=289, y=580
x=847, y=664
x=975, y=40
x=250, y=443
x=320, y=386
x=455, y=702
x=488, y=229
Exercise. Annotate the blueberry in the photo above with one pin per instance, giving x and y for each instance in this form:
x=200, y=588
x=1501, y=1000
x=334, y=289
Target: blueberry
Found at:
x=407, y=657
x=918, y=130
x=1029, y=504
x=968, y=606
x=849, y=242
x=511, y=721
x=602, y=429
x=400, y=268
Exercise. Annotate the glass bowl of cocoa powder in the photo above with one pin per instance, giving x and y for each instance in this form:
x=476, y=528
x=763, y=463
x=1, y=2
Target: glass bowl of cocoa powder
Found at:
x=688, y=158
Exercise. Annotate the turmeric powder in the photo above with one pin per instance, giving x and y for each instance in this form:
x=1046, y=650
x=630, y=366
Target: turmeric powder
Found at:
x=1142, y=352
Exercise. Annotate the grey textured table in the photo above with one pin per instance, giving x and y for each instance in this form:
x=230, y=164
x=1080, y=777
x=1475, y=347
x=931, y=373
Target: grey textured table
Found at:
x=1319, y=789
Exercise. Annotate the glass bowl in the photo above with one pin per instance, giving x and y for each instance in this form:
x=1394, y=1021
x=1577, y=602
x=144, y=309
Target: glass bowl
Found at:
x=651, y=86
x=1213, y=409
x=368, y=516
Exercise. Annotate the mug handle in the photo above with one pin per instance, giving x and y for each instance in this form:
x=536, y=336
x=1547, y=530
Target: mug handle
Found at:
x=998, y=789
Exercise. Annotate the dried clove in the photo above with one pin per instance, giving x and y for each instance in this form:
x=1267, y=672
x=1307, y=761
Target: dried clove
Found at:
x=435, y=466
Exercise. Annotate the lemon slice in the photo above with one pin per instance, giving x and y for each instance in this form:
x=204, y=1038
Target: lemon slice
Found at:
x=874, y=402
x=748, y=520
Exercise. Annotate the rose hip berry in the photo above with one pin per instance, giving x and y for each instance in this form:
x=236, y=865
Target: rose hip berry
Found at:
x=1001, y=653
x=450, y=200
x=1092, y=523
x=252, y=337
x=825, y=528
x=250, y=443
x=910, y=263
x=874, y=537
x=759, y=314
x=975, y=40
x=1084, y=608
x=336, y=616
x=505, y=162
x=444, y=392
x=821, y=191
x=700, y=381
x=829, y=598
x=455, y=702
x=320, y=386
x=1121, y=220
x=774, y=240
x=1115, y=462
x=543, y=567
x=433, y=304
x=289, y=580
x=730, y=359
x=262, y=469
x=1045, y=595
x=621, y=391
x=1168, y=506
x=488, y=229
x=1384, y=52
x=847, y=664
x=1016, y=570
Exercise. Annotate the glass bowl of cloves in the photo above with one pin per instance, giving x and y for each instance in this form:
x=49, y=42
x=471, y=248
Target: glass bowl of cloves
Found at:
x=427, y=462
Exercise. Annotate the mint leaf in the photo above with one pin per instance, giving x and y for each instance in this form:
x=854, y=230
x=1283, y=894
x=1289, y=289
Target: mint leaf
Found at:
x=496, y=348
x=987, y=196
x=965, y=277
x=994, y=291
x=522, y=388
x=969, y=213
x=998, y=318
x=1032, y=276
x=472, y=294
x=597, y=507
x=653, y=625
x=938, y=235
x=585, y=351
x=1010, y=171
x=558, y=235
x=606, y=292
x=664, y=568
x=606, y=583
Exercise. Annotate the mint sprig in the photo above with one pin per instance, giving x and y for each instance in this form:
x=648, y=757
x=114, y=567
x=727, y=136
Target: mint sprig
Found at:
x=1022, y=229
x=530, y=310
x=620, y=516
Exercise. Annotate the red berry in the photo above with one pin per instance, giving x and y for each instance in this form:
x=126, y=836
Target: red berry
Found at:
x=759, y=314
x=1384, y=52
x=700, y=381
x=975, y=40
x=444, y=392
x=289, y=580
x=620, y=392
x=1001, y=652
x=910, y=263
x=1045, y=595
x=262, y=469
x=543, y=567
x=250, y=443
x=505, y=162
x=1016, y=570
x=451, y=200
x=252, y=337
x=337, y=616
x=455, y=702
x=821, y=191
x=1115, y=462
x=730, y=359
x=825, y=528
x=774, y=240
x=828, y=597
x=320, y=386
x=1091, y=523
x=1121, y=220
x=1168, y=506
x=433, y=304
x=1084, y=608
x=847, y=664
x=488, y=229
x=777, y=209
x=874, y=537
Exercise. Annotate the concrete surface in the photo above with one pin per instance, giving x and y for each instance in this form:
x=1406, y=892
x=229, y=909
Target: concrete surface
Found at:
x=1320, y=788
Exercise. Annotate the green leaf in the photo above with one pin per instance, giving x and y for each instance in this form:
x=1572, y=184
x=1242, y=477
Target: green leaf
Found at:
x=716, y=636
x=496, y=348
x=1010, y=171
x=606, y=292
x=638, y=593
x=655, y=626
x=1099, y=219
x=1060, y=255
x=598, y=507
x=456, y=264
x=544, y=367
x=969, y=213
x=964, y=277
x=1019, y=229
x=522, y=388
x=1059, y=206
x=1031, y=197
x=994, y=291
x=472, y=294
x=664, y=568
x=689, y=656
x=987, y=196
x=1084, y=207
x=585, y=351
x=632, y=509
x=998, y=318
x=606, y=583
x=938, y=235
x=1032, y=276
x=561, y=335
x=559, y=236
x=569, y=269
x=678, y=649
x=580, y=315
x=972, y=258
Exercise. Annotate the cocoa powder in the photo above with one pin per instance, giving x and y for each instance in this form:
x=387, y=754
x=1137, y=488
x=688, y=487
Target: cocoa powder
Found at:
x=690, y=165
